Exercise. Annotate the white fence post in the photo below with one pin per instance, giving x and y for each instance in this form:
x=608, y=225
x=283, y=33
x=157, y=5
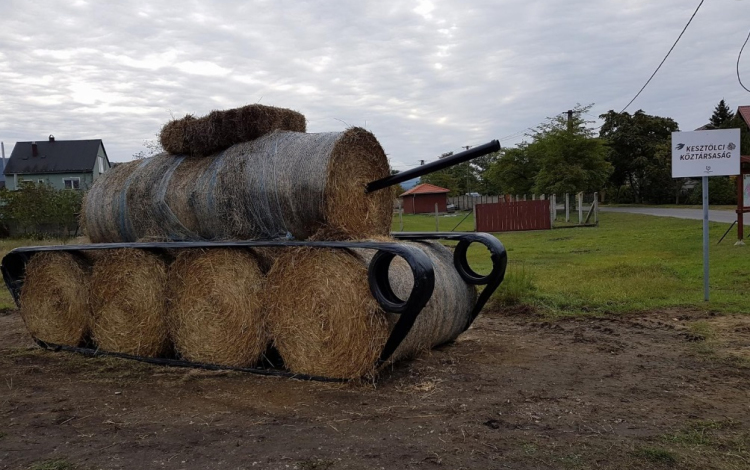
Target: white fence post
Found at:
x=437, y=220
x=567, y=207
x=552, y=209
x=580, y=208
x=401, y=218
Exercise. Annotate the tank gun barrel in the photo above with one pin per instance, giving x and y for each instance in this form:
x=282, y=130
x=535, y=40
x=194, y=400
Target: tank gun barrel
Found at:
x=443, y=163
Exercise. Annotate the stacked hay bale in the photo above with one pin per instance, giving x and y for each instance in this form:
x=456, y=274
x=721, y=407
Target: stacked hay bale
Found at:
x=284, y=183
x=249, y=173
x=55, y=298
x=216, y=311
x=324, y=321
x=222, y=129
x=129, y=304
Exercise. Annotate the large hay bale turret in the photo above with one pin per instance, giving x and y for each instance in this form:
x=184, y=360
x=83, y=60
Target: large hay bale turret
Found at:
x=284, y=183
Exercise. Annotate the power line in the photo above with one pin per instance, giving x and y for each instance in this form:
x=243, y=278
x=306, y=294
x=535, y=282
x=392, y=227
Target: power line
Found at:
x=738, y=62
x=665, y=57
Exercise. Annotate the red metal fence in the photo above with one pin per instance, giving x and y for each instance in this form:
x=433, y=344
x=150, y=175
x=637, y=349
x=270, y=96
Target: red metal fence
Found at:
x=513, y=216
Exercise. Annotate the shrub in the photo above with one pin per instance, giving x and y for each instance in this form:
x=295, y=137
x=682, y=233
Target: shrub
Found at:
x=39, y=210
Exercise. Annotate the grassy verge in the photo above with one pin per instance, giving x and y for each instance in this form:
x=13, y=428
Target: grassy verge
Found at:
x=630, y=262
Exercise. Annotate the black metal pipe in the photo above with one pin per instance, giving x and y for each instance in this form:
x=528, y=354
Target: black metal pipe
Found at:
x=446, y=162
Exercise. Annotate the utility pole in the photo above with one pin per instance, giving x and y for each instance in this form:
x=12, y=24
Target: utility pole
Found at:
x=570, y=119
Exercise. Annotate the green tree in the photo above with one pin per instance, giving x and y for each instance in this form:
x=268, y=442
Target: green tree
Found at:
x=722, y=117
x=633, y=143
x=514, y=172
x=739, y=123
x=570, y=158
x=481, y=167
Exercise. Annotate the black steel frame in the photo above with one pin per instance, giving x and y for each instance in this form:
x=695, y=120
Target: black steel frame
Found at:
x=14, y=265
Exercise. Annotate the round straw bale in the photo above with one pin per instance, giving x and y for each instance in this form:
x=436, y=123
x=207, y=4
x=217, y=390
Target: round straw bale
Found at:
x=54, y=298
x=322, y=318
x=446, y=314
x=306, y=185
x=104, y=207
x=128, y=301
x=324, y=321
x=356, y=160
x=222, y=129
x=216, y=309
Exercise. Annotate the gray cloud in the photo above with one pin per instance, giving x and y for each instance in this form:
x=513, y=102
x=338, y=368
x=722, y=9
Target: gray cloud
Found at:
x=424, y=76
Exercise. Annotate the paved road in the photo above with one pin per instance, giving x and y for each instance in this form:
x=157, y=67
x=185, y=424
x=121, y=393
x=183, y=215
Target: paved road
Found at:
x=714, y=216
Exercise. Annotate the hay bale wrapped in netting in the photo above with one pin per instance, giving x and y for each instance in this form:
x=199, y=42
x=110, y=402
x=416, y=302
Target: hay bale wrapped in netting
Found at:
x=216, y=307
x=129, y=302
x=55, y=298
x=306, y=185
x=446, y=314
x=221, y=129
x=324, y=321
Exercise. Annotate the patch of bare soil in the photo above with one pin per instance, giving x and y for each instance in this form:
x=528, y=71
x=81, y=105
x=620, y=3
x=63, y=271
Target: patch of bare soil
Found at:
x=665, y=390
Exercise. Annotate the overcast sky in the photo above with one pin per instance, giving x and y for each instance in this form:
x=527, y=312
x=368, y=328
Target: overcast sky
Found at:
x=425, y=76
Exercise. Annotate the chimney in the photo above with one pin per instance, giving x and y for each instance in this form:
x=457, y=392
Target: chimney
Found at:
x=51, y=138
x=34, y=150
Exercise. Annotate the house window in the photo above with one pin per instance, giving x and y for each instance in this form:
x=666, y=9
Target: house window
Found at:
x=101, y=165
x=72, y=183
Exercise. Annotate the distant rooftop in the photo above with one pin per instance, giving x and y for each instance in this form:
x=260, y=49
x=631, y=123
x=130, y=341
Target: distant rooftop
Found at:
x=53, y=156
x=425, y=188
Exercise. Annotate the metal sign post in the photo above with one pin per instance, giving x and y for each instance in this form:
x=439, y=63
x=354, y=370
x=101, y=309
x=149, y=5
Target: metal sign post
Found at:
x=704, y=154
x=705, y=238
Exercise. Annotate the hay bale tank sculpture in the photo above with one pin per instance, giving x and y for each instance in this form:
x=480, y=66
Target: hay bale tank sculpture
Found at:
x=258, y=247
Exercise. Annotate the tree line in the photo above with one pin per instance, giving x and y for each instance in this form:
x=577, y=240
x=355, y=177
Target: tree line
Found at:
x=629, y=160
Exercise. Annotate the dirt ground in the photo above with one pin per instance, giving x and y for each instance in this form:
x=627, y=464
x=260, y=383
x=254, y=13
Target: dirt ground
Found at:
x=669, y=389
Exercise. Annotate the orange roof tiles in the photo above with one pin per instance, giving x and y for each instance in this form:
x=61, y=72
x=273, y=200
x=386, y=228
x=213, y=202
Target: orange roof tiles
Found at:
x=425, y=188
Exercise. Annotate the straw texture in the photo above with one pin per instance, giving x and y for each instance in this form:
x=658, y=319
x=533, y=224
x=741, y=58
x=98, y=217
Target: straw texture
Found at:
x=324, y=320
x=222, y=129
x=54, y=298
x=216, y=310
x=128, y=300
x=282, y=184
x=446, y=314
x=322, y=317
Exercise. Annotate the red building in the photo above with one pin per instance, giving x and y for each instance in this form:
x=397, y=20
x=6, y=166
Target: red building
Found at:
x=422, y=198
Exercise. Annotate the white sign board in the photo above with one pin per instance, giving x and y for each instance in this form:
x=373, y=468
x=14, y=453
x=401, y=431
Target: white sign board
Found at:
x=706, y=153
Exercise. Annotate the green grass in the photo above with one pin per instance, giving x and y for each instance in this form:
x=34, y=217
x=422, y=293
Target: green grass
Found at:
x=657, y=455
x=426, y=222
x=57, y=464
x=701, y=433
x=723, y=442
x=630, y=262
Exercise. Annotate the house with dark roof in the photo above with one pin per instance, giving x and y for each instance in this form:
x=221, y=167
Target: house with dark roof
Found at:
x=63, y=164
x=422, y=198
